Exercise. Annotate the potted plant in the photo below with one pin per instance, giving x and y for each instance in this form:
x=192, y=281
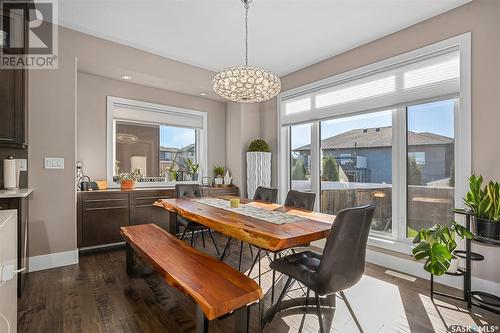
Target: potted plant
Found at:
x=127, y=179
x=258, y=165
x=436, y=246
x=219, y=174
x=484, y=206
x=193, y=169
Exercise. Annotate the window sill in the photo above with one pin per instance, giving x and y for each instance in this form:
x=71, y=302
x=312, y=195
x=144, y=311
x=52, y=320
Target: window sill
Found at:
x=390, y=244
x=169, y=184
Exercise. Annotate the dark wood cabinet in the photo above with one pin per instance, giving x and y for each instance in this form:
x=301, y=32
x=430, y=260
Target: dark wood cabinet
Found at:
x=13, y=104
x=21, y=205
x=100, y=214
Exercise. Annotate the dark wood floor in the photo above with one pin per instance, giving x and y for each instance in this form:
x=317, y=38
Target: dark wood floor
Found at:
x=97, y=296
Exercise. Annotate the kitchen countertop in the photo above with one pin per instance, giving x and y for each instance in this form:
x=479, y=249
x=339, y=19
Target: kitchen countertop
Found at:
x=16, y=193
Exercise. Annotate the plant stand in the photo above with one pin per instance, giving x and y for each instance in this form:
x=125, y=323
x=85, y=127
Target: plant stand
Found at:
x=480, y=299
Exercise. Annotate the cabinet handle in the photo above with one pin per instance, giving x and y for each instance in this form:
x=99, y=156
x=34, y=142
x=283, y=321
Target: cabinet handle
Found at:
x=104, y=208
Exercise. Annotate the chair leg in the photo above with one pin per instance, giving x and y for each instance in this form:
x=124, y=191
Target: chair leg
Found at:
x=192, y=237
x=280, y=298
x=213, y=240
x=203, y=237
x=251, y=251
x=183, y=234
x=225, y=249
x=320, y=317
x=307, y=297
x=273, y=282
x=257, y=257
x=241, y=253
x=348, y=305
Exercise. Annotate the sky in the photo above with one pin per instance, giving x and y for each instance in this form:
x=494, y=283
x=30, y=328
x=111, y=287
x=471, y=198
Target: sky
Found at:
x=436, y=117
x=177, y=137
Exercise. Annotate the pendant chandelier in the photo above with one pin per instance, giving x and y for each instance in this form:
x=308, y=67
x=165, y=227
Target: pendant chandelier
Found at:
x=246, y=84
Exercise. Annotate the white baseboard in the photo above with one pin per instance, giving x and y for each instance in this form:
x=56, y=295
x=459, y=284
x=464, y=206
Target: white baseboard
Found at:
x=415, y=268
x=52, y=260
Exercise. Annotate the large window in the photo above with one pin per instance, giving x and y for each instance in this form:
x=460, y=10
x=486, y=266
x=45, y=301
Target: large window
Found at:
x=356, y=165
x=155, y=139
x=395, y=134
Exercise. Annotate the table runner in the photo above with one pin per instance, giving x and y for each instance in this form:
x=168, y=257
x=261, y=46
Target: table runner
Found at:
x=252, y=211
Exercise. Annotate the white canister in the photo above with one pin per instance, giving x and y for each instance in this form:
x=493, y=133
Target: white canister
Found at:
x=11, y=171
x=3, y=38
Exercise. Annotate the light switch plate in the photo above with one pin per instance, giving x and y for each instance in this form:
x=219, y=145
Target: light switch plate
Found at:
x=54, y=163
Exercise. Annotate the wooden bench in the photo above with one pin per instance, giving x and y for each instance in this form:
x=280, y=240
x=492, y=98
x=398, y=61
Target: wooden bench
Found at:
x=217, y=288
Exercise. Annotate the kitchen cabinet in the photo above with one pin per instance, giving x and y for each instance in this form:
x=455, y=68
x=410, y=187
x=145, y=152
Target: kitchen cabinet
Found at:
x=100, y=214
x=8, y=261
x=13, y=102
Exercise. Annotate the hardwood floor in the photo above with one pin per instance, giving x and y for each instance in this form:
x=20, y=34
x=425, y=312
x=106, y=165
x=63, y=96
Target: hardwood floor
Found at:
x=97, y=296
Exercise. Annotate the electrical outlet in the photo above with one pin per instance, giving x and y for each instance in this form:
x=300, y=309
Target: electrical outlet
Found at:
x=54, y=163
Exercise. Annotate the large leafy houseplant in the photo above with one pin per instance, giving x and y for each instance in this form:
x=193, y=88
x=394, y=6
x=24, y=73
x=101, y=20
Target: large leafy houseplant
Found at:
x=193, y=168
x=436, y=246
x=483, y=204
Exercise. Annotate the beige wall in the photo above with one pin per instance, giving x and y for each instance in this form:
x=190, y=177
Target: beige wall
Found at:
x=482, y=19
x=243, y=125
x=53, y=122
x=91, y=118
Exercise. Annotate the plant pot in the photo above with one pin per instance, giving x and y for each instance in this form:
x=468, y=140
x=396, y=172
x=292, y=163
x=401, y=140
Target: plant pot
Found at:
x=194, y=177
x=486, y=228
x=218, y=180
x=127, y=184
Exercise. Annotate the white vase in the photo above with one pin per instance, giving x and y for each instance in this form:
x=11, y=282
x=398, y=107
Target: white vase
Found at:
x=258, y=171
x=453, y=265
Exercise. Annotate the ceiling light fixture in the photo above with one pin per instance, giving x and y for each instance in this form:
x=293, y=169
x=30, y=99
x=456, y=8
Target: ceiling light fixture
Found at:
x=126, y=77
x=246, y=84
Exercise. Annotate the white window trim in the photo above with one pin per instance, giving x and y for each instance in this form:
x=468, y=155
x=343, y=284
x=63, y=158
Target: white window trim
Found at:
x=201, y=136
x=463, y=169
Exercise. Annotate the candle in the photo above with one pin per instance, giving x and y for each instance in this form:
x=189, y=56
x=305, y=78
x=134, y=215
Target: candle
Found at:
x=235, y=203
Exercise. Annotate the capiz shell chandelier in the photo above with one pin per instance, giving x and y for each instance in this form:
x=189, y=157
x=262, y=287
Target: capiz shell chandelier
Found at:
x=246, y=84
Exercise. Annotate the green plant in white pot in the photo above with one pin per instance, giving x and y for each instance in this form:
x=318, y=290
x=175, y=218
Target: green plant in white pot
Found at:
x=258, y=165
x=436, y=246
x=483, y=204
x=193, y=169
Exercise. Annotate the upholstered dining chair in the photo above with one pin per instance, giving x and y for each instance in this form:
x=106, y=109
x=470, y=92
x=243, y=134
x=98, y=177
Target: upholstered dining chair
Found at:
x=192, y=191
x=302, y=200
x=340, y=266
x=265, y=194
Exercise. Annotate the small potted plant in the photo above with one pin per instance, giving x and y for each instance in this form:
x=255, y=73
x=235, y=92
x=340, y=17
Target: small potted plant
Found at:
x=484, y=206
x=127, y=179
x=219, y=175
x=436, y=246
x=193, y=169
x=258, y=166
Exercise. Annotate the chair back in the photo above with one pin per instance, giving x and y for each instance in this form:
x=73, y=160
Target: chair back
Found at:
x=303, y=200
x=266, y=194
x=343, y=260
x=188, y=191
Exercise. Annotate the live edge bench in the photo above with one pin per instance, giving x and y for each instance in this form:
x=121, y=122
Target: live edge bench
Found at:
x=217, y=288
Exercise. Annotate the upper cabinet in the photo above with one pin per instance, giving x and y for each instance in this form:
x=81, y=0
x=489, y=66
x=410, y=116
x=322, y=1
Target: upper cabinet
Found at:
x=13, y=99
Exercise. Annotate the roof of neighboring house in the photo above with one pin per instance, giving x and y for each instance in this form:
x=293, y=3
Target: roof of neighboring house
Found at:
x=377, y=137
x=174, y=149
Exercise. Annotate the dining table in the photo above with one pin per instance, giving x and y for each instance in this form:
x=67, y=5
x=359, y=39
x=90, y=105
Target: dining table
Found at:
x=268, y=226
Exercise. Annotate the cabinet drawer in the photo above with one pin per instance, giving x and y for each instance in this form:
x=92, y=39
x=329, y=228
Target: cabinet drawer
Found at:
x=101, y=225
x=142, y=210
x=5, y=204
x=103, y=202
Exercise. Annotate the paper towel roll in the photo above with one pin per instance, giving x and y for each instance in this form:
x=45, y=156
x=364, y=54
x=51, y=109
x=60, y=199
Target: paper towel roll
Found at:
x=10, y=173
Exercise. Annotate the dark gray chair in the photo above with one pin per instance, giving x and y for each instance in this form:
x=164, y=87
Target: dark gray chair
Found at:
x=302, y=200
x=192, y=191
x=266, y=194
x=339, y=267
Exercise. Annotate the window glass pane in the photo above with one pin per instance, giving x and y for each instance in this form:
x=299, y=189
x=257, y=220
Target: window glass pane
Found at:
x=300, y=157
x=356, y=168
x=137, y=148
x=153, y=148
x=176, y=143
x=430, y=165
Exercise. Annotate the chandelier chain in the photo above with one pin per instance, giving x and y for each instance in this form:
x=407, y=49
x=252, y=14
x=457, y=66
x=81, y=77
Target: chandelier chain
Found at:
x=246, y=32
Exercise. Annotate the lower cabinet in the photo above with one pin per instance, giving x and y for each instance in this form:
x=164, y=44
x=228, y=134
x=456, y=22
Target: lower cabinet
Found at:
x=100, y=214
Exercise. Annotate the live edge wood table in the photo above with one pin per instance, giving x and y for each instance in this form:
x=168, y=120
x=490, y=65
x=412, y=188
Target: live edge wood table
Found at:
x=262, y=234
x=216, y=287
